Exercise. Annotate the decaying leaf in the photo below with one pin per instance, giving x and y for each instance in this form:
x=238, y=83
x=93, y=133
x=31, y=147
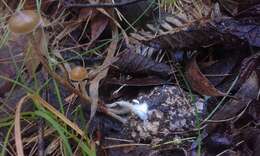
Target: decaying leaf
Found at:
x=249, y=65
x=218, y=142
x=198, y=81
x=98, y=25
x=252, y=138
x=236, y=7
x=190, y=29
x=248, y=30
x=246, y=94
x=137, y=65
x=221, y=68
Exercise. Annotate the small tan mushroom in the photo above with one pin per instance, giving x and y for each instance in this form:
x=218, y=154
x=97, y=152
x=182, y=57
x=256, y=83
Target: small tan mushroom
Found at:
x=24, y=21
x=78, y=74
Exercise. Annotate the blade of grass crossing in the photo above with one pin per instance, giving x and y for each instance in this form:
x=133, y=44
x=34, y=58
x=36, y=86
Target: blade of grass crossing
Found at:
x=3, y=150
x=58, y=128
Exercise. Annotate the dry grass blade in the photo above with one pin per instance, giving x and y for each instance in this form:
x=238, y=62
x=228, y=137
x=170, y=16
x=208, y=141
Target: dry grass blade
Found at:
x=124, y=145
x=94, y=84
x=31, y=59
x=58, y=114
x=17, y=127
x=67, y=30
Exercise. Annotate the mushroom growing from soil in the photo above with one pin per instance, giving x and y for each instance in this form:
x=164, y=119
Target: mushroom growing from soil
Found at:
x=24, y=21
x=25, y=24
x=78, y=74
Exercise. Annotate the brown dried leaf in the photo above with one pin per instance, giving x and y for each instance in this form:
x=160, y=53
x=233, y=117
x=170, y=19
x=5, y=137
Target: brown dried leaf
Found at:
x=246, y=94
x=86, y=13
x=199, y=82
x=98, y=25
x=94, y=84
x=138, y=65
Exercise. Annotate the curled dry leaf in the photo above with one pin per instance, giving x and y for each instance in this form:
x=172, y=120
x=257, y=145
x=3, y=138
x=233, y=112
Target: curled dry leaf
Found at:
x=198, y=81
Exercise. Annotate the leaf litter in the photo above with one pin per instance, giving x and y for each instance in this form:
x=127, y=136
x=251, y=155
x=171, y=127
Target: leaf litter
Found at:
x=183, y=81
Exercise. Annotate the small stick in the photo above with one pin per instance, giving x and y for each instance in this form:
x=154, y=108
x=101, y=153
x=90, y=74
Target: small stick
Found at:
x=102, y=5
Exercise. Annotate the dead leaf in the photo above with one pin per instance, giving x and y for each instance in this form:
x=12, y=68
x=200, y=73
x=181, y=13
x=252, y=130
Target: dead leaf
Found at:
x=249, y=65
x=235, y=7
x=94, y=84
x=247, y=93
x=252, y=137
x=245, y=30
x=86, y=13
x=98, y=25
x=138, y=65
x=198, y=81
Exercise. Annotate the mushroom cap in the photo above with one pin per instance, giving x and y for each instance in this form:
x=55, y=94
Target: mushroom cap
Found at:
x=24, y=21
x=78, y=73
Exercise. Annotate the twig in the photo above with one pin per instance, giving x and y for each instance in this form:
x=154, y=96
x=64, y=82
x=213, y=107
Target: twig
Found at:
x=103, y=5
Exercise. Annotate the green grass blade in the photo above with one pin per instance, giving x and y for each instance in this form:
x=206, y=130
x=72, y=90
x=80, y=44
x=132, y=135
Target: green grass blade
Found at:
x=57, y=127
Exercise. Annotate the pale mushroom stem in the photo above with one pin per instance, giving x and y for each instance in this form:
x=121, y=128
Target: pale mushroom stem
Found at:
x=82, y=85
